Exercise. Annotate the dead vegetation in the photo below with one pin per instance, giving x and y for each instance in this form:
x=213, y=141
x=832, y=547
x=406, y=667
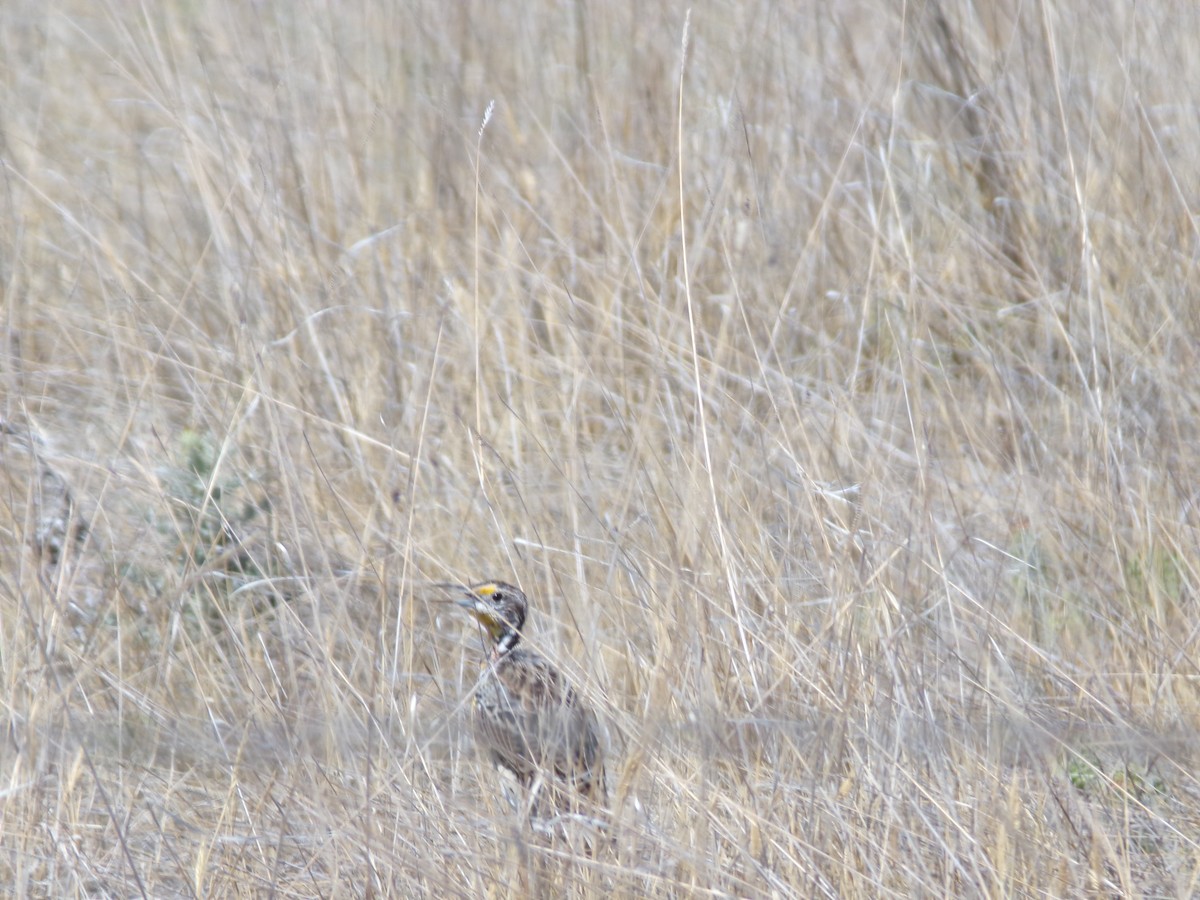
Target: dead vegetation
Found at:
x=827, y=378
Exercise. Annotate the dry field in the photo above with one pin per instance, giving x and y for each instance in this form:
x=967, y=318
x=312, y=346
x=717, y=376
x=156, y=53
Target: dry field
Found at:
x=827, y=373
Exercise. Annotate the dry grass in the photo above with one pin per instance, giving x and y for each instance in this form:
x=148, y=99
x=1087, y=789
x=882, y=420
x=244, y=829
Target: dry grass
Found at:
x=838, y=411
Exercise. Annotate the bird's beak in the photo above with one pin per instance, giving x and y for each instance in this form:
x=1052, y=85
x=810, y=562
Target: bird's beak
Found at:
x=465, y=597
x=481, y=612
x=475, y=605
x=471, y=603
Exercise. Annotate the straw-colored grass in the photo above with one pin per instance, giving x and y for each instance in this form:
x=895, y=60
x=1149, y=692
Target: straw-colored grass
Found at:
x=828, y=378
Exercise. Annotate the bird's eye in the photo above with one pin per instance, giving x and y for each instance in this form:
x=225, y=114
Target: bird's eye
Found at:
x=498, y=596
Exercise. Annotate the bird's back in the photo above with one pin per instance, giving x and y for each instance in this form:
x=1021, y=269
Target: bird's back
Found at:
x=531, y=720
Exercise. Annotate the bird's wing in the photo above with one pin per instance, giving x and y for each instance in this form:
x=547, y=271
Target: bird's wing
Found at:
x=551, y=723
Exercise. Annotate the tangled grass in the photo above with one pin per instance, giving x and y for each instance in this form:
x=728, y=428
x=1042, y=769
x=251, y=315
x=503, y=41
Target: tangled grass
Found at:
x=827, y=378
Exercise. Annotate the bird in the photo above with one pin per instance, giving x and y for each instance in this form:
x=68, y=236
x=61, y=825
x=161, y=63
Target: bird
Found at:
x=527, y=716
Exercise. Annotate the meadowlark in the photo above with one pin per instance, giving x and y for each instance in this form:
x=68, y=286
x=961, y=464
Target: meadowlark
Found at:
x=527, y=717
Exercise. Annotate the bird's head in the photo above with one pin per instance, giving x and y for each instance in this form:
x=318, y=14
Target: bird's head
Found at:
x=500, y=608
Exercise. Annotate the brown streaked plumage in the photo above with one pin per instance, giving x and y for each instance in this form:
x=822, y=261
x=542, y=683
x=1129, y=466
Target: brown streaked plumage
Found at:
x=528, y=718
